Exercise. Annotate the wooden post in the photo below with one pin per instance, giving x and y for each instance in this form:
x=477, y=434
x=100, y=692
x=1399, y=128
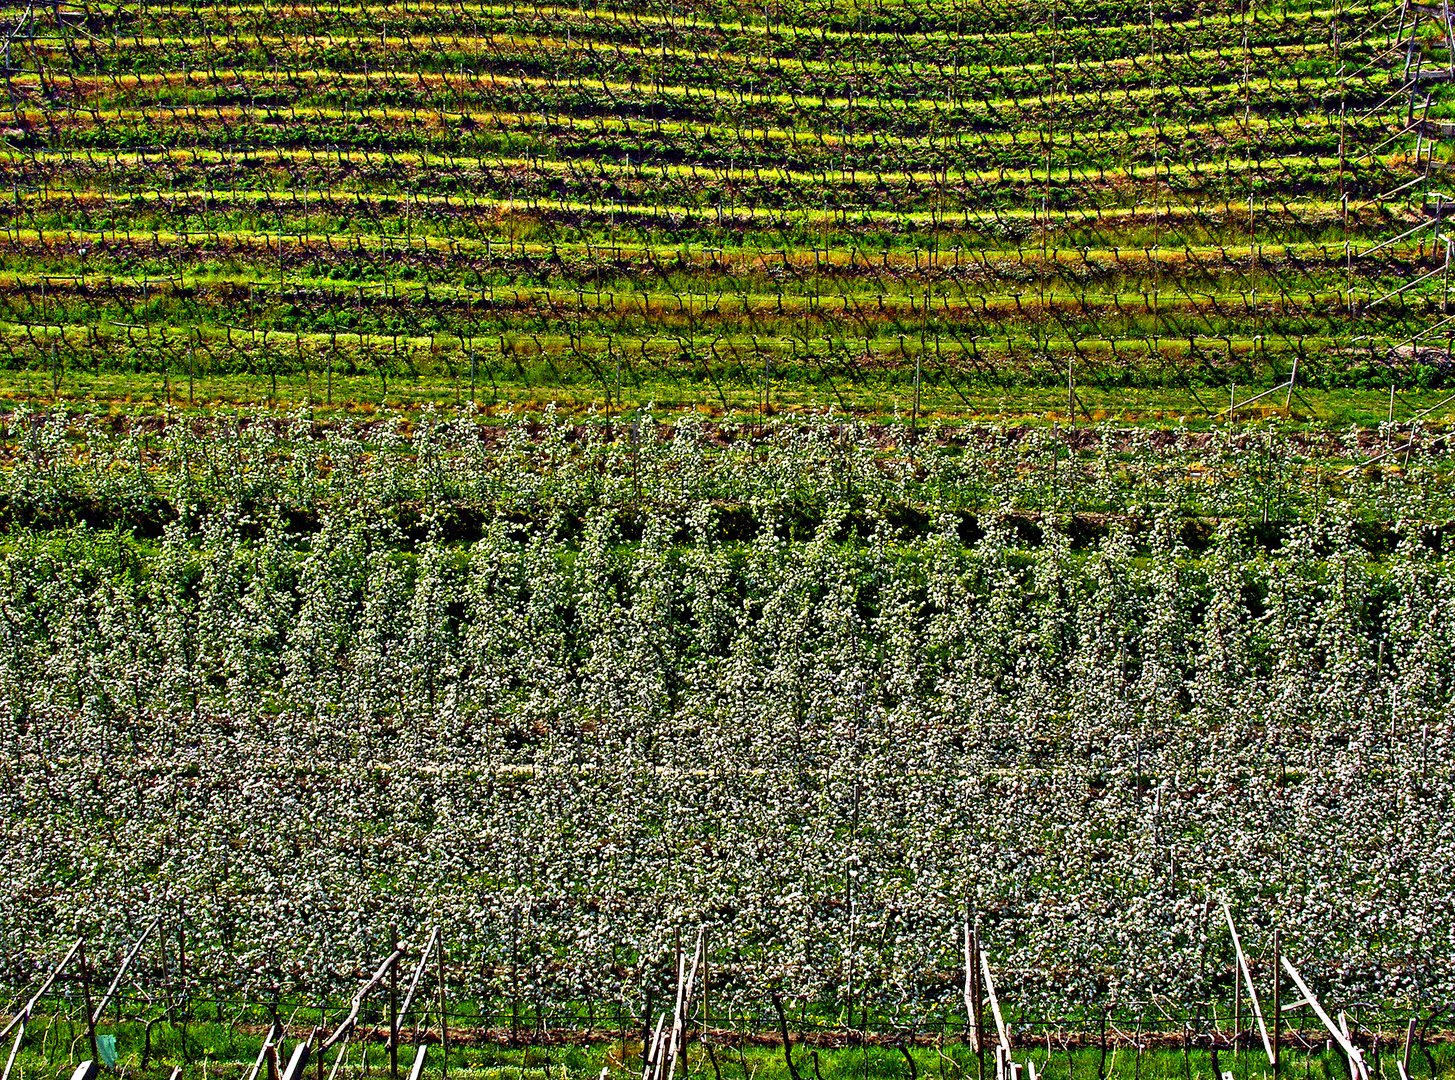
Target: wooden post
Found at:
x=14, y=1048
x=166, y=978
x=515, y=978
x=1071, y=390
x=1277, y=1014
x=1002, y=1033
x=767, y=396
x=393, y=1005
x=1355, y=1070
x=914, y=417
x=978, y=996
x=444, y=1023
x=1337, y=1033
x=849, y=966
x=1445, y=301
x=182, y=972
x=1237, y=1005
x=677, y=1036
x=86, y=996
x=970, y=1033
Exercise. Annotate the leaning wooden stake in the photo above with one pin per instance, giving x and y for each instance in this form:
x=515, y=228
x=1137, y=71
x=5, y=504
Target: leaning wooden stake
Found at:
x=1354, y=1069
x=414, y=982
x=1403, y=1064
x=351, y=1020
x=994, y=1004
x=649, y=1052
x=263, y=1051
x=24, y=1014
x=1248, y=982
x=299, y=1061
x=14, y=1050
x=684, y=1003
x=22, y=1019
x=337, y=1061
x=1350, y=1050
x=121, y=971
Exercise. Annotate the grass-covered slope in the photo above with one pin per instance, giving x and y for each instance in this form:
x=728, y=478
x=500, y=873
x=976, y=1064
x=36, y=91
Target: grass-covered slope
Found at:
x=710, y=203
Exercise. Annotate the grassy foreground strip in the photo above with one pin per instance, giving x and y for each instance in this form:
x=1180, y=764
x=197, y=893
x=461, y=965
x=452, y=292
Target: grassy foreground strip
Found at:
x=229, y=1051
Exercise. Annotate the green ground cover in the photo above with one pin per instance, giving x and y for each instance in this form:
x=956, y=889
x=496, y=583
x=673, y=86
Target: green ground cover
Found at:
x=722, y=205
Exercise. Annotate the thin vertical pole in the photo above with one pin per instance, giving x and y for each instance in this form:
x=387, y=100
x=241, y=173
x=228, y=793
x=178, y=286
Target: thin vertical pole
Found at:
x=970, y=1032
x=86, y=996
x=515, y=978
x=679, y=1036
x=978, y=994
x=444, y=1023
x=914, y=420
x=1277, y=1014
x=166, y=975
x=1237, y=1006
x=393, y=1004
x=849, y=967
x=1445, y=302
